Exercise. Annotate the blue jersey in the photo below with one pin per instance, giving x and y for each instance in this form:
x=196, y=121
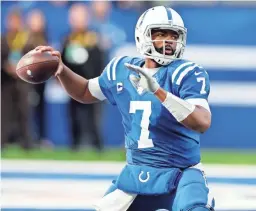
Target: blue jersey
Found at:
x=153, y=136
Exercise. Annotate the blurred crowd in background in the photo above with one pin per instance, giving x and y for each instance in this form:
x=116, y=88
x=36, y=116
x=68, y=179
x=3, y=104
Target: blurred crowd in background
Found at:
x=88, y=35
x=84, y=33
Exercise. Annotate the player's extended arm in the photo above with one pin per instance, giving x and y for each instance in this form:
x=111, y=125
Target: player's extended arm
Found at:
x=192, y=116
x=75, y=85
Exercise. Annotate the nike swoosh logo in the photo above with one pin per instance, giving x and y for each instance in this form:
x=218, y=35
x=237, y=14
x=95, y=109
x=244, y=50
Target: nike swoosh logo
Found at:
x=196, y=73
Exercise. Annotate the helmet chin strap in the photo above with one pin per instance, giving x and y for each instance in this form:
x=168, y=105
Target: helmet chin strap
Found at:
x=157, y=64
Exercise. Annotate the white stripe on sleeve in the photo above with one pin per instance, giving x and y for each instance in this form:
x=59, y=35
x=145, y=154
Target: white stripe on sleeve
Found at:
x=95, y=90
x=185, y=72
x=108, y=68
x=176, y=71
x=201, y=102
x=114, y=68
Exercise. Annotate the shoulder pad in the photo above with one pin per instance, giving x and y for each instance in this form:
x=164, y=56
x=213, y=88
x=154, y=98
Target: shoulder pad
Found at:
x=183, y=68
x=116, y=65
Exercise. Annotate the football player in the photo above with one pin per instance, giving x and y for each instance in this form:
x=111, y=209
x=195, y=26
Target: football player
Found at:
x=163, y=102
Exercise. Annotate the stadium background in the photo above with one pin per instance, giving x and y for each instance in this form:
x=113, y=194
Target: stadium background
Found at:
x=221, y=37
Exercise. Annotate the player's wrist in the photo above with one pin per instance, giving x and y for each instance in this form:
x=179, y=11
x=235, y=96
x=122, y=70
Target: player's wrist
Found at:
x=178, y=107
x=61, y=70
x=153, y=86
x=161, y=94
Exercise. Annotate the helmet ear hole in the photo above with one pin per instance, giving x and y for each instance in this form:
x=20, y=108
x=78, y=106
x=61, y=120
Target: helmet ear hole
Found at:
x=138, y=39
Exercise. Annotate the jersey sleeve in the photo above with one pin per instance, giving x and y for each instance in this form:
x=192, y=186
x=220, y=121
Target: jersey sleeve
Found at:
x=104, y=86
x=193, y=85
x=100, y=87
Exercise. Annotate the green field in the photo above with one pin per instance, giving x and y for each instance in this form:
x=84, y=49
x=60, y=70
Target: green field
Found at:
x=208, y=156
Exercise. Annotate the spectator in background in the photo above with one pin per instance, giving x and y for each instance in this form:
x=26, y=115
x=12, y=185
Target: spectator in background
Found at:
x=7, y=78
x=127, y=12
x=37, y=36
x=135, y=5
x=82, y=54
x=57, y=21
x=14, y=95
x=111, y=36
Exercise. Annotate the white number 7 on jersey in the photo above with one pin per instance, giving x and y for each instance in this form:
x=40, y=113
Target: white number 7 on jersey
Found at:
x=203, y=84
x=145, y=106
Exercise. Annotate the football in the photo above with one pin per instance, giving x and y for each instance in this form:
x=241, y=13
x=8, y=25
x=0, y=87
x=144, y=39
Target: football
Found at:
x=36, y=67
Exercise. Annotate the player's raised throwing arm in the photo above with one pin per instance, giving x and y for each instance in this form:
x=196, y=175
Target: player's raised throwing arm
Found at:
x=75, y=85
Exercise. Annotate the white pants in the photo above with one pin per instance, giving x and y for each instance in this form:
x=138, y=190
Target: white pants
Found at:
x=117, y=200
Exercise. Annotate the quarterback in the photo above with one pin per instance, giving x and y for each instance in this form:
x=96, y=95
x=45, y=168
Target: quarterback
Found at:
x=163, y=100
